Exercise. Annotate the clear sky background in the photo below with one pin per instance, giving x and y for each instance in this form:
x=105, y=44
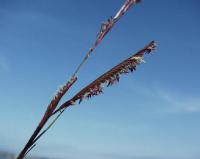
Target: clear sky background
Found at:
x=153, y=113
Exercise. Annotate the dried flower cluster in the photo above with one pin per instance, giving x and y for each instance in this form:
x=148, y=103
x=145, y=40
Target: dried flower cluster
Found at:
x=94, y=88
x=113, y=75
x=110, y=77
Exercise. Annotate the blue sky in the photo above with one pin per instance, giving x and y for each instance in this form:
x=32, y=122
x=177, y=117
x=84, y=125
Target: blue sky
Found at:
x=153, y=113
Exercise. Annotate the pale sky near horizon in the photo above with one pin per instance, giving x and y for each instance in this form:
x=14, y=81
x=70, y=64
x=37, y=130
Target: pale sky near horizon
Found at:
x=153, y=113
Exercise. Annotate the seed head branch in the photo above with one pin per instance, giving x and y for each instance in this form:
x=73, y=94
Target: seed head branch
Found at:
x=51, y=109
x=105, y=28
x=110, y=77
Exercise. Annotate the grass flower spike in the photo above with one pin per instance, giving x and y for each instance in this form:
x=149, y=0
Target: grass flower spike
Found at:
x=110, y=77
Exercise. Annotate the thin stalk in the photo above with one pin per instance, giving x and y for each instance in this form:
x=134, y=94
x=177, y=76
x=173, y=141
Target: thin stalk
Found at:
x=29, y=150
x=105, y=28
x=50, y=125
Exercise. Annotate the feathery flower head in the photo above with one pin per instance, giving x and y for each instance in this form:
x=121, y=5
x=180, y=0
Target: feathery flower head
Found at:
x=113, y=75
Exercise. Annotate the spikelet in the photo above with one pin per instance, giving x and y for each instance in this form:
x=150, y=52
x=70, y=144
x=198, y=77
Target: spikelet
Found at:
x=113, y=76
